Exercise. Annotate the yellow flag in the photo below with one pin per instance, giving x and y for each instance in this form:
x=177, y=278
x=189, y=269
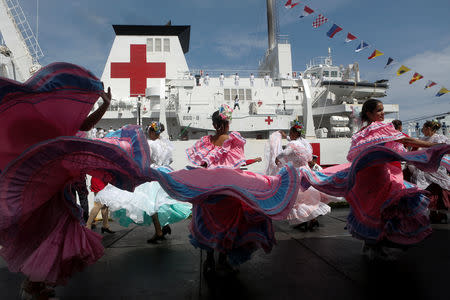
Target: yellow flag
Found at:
x=442, y=91
x=375, y=54
x=402, y=70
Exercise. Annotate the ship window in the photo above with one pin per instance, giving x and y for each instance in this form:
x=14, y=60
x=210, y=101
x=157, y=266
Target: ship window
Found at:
x=326, y=73
x=226, y=94
x=248, y=94
x=334, y=74
x=166, y=45
x=233, y=93
x=150, y=45
x=241, y=94
x=157, y=45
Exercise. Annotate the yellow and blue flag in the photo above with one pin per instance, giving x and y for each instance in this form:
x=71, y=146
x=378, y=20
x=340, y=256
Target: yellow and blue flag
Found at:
x=442, y=91
x=402, y=70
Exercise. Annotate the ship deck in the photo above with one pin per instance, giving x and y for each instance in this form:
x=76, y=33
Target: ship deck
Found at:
x=323, y=264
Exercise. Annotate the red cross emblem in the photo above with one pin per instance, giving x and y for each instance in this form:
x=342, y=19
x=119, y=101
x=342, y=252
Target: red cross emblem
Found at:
x=138, y=70
x=268, y=120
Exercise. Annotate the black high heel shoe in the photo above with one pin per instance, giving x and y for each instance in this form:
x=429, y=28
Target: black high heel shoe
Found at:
x=166, y=230
x=302, y=226
x=154, y=239
x=312, y=224
x=107, y=230
x=35, y=290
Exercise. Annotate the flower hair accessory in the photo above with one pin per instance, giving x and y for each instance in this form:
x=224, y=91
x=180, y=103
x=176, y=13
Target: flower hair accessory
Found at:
x=156, y=127
x=435, y=122
x=225, y=112
x=298, y=127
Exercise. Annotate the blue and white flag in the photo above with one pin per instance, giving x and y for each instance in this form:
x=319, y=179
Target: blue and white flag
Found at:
x=363, y=45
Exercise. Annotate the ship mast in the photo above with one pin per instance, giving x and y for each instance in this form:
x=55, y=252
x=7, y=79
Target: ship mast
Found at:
x=270, y=24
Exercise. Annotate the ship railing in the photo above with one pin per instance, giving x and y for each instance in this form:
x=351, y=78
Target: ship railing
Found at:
x=228, y=73
x=121, y=107
x=319, y=61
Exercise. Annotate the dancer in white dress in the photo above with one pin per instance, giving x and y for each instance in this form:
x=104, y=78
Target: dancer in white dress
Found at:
x=149, y=203
x=311, y=203
x=437, y=183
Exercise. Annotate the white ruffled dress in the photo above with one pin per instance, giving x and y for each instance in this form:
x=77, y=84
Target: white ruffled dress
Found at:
x=148, y=198
x=309, y=204
x=424, y=179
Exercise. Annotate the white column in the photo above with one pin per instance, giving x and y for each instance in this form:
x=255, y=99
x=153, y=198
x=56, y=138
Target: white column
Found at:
x=307, y=110
x=162, y=106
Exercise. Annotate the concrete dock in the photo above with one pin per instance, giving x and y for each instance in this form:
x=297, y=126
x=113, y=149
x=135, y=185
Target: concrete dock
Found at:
x=326, y=263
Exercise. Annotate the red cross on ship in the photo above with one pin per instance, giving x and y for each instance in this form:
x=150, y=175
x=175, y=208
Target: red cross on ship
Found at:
x=138, y=70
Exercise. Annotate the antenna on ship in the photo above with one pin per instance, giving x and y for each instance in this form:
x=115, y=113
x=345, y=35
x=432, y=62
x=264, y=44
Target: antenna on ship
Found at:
x=329, y=60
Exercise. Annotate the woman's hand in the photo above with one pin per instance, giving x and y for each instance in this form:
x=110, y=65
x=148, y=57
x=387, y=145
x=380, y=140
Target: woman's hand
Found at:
x=283, y=134
x=106, y=97
x=93, y=118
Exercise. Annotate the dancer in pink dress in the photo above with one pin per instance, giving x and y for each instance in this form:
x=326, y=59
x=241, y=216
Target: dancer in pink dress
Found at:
x=41, y=228
x=385, y=209
x=221, y=222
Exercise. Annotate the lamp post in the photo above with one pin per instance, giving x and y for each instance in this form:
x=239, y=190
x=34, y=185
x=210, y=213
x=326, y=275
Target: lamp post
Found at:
x=139, y=110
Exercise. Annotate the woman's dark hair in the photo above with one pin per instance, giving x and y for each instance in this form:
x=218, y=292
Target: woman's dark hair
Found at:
x=218, y=122
x=434, y=125
x=368, y=106
x=295, y=131
x=397, y=124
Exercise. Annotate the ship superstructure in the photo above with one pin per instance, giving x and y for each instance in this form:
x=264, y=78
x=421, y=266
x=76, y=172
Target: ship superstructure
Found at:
x=151, y=80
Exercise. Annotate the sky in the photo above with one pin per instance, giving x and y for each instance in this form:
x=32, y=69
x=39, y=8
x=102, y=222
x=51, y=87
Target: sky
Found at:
x=233, y=34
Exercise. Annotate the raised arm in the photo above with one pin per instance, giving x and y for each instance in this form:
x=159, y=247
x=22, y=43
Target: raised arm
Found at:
x=412, y=142
x=93, y=118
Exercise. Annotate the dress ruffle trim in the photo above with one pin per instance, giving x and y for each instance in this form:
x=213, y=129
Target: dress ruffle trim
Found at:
x=303, y=213
x=233, y=228
x=41, y=230
x=375, y=133
x=404, y=220
x=338, y=180
x=273, y=196
x=230, y=154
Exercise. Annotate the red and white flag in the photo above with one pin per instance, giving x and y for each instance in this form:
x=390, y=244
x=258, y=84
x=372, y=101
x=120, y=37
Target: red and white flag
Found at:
x=306, y=12
x=350, y=37
x=289, y=4
x=430, y=84
x=319, y=21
